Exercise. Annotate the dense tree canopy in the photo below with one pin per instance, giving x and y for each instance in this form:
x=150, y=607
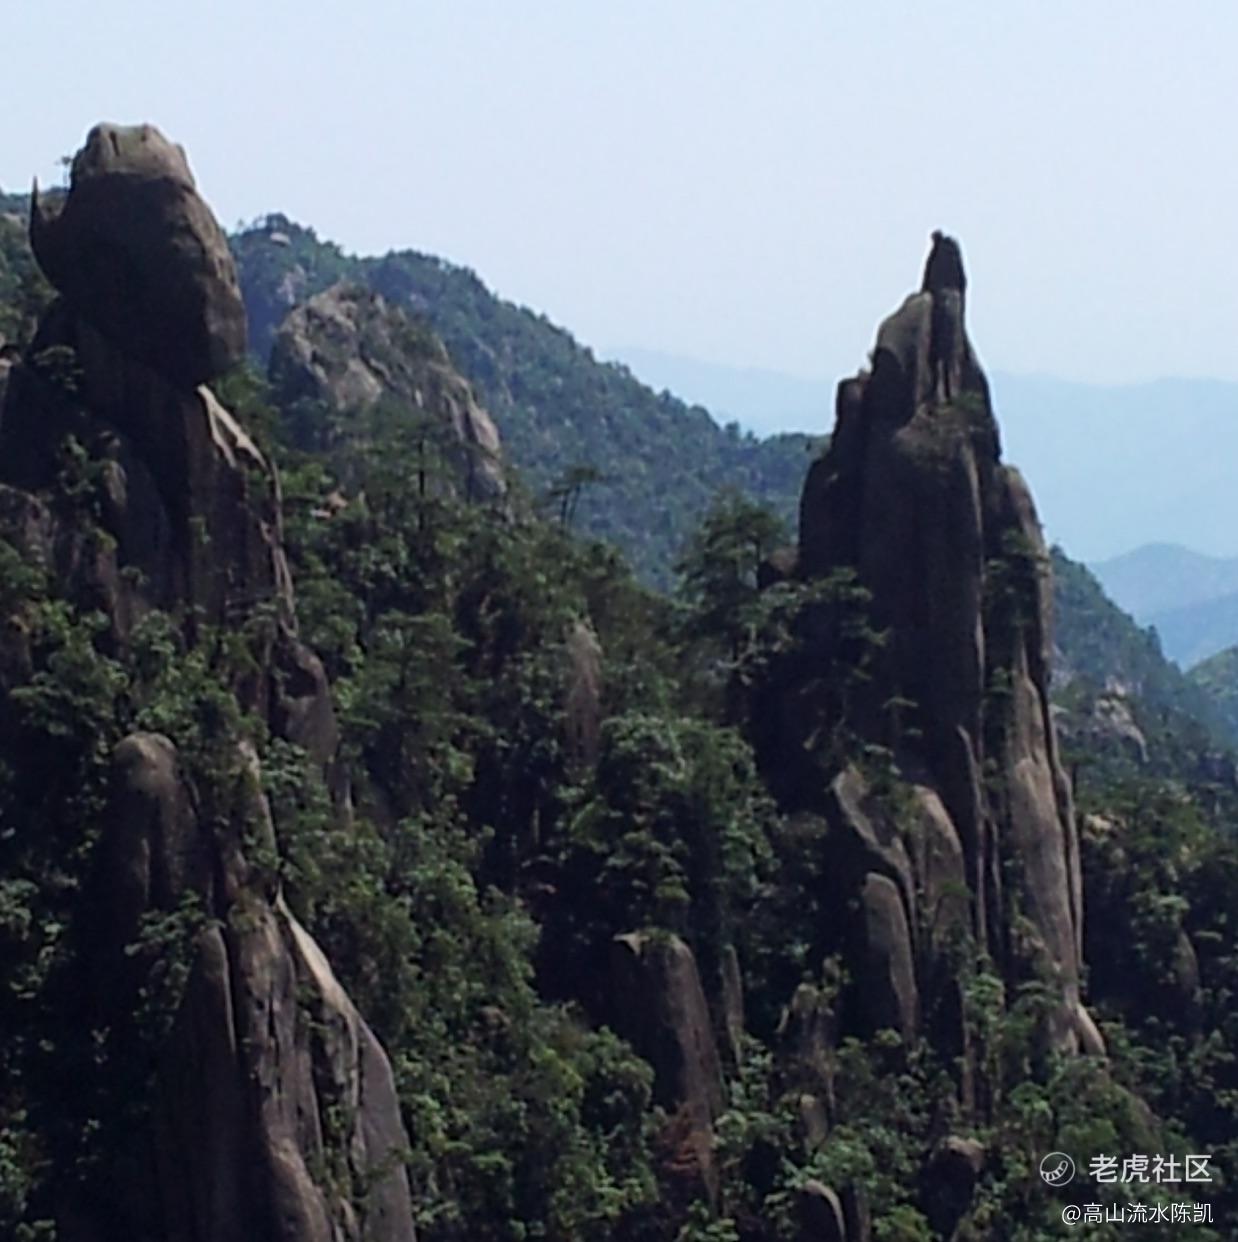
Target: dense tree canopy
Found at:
x=544, y=754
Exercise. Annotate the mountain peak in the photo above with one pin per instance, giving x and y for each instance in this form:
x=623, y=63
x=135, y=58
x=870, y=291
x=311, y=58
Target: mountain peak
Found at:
x=944, y=267
x=912, y=499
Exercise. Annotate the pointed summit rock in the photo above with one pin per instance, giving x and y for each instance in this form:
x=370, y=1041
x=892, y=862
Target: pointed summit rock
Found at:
x=943, y=269
x=913, y=499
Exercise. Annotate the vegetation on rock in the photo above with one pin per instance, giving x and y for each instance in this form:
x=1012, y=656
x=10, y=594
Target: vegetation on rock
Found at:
x=656, y=902
x=657, y=462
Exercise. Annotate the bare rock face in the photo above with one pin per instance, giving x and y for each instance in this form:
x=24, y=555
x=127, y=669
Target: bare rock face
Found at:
x=191, y=503
x=141, y=256
x=660, y=1007
x=1105, y=724
x=807, y=1033
x=275, y=1111
x=731, y=1003
x=821, y=1214
x=888, y=991
x=912, y=497
x=347, y=349
x=275, y=1114
x=948, y=1182
x=582, y=703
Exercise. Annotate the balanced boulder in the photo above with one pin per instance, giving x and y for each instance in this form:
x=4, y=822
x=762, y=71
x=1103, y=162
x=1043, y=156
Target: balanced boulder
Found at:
x=136, y=252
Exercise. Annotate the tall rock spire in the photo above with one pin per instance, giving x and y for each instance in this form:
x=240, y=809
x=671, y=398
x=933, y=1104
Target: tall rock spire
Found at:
x=912, y=497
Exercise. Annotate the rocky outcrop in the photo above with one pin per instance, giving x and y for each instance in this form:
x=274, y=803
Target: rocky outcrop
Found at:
x=807, y=1034
x=948, y=1182
x=582, y=703
x=821, y=1214
x=899, y=854
x=1104, y=724
x=660, y=1007
x=733, y=1024
x=149, y=308
x=275, y=1113
x=140, y=256
x=347, y=349
x=913, y=500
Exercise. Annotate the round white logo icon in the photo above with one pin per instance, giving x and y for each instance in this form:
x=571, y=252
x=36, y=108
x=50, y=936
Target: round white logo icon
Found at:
x=1057, y=1168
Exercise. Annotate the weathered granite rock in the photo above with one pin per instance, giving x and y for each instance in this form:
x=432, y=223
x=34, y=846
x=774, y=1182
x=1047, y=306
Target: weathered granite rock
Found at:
x=191, y=506
x=779, y=566
x=807, y=1033
x=732, y=1005
x=897, y=862
x=139, y=254
x=821, y=1214
x=887, y=991
x=1105, y=724
x=660, y=1007
x=857, y=1213
x=912, y=497
x=583, y=700
x=948, y=1182
x=275, y=1112
x=814, y=1120
x=346, y=349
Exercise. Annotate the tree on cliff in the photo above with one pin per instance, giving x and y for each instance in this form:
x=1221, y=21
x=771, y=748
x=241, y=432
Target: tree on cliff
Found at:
x=720, y=568
x=719, y=975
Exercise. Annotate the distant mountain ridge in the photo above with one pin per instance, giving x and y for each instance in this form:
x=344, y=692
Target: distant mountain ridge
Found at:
x=1191, y=598
x=1163, y=577
x=1098, y=644
x=761, y=400
x=1197, y=632
x=1115, y=467
x=1112, y=466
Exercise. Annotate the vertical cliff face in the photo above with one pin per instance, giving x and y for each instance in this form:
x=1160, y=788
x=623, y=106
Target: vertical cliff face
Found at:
x=274, y=1112
x=913, y=499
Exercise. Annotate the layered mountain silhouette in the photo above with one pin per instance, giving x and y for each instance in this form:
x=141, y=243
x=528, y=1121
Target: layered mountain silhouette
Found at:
x=1190, y=598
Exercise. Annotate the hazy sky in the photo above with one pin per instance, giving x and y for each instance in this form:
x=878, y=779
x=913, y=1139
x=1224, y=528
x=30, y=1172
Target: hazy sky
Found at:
x=750, y=183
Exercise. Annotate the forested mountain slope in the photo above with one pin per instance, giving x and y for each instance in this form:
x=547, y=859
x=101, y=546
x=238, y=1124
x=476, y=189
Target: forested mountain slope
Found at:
x=1123, y=710
x=382, y=860
x=1097, y=643
x=1217, y=679
x=655, y=461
